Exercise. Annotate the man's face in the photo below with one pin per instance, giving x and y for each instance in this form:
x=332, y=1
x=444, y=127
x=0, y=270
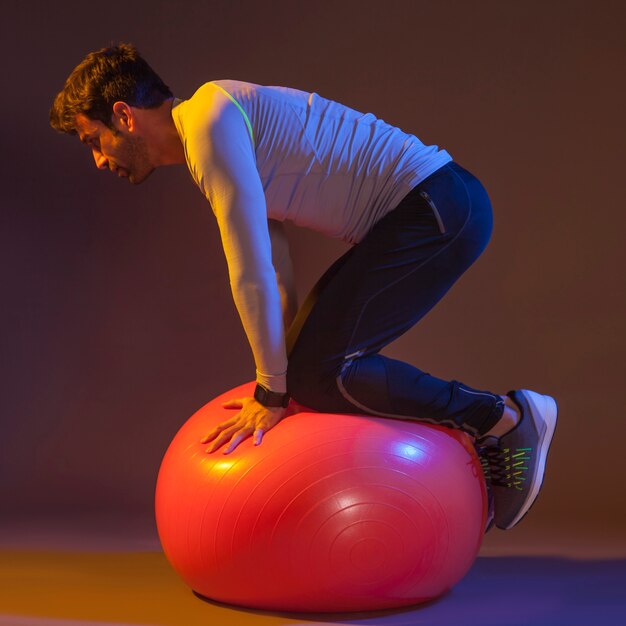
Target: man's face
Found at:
x=118, y=150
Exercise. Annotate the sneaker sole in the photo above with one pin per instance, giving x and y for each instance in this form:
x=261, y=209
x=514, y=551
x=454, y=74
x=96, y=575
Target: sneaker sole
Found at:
x=548, y=412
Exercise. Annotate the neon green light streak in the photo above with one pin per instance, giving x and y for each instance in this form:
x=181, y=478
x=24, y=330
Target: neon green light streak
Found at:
x=245, y=117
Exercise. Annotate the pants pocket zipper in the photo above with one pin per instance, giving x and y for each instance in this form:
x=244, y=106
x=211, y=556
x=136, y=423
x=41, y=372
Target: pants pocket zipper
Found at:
x=428, y=199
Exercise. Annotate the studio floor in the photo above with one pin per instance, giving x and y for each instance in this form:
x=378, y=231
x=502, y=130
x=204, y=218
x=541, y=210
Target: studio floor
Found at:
x=80, y=572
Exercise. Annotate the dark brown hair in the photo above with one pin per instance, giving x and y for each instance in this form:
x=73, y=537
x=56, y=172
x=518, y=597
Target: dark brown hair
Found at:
x=101, y=79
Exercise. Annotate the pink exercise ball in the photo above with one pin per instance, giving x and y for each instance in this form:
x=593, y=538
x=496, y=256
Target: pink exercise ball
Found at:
x=330, y=513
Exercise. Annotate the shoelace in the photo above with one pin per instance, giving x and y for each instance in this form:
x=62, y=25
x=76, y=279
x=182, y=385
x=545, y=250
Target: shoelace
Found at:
x=484, y=462
x=505, y=467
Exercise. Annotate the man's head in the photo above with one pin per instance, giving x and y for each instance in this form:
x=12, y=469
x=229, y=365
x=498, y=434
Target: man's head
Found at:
x=104, y=102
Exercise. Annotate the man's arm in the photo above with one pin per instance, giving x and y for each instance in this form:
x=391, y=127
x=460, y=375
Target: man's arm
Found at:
x=284, y=271
x=222, y=161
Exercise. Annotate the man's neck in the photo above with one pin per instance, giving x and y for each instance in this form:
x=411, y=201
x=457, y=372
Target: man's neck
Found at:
x=165, y=146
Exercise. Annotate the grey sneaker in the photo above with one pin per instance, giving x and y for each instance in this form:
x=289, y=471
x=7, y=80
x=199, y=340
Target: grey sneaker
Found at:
x=517, y=460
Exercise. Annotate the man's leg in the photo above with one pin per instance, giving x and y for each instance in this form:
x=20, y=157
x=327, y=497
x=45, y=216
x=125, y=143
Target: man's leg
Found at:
x=377, y=291
x=510, y=419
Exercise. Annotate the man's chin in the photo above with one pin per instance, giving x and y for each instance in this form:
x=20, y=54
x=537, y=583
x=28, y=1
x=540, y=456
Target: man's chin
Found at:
x=137, y=179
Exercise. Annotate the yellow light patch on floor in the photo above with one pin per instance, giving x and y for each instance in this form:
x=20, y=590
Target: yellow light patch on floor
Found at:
x=120, y=587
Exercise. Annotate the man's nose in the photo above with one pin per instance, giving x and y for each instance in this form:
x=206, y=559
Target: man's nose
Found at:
x=101, y=161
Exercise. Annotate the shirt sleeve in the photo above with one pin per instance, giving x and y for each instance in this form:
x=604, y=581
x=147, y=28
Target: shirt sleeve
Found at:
x=222, y=160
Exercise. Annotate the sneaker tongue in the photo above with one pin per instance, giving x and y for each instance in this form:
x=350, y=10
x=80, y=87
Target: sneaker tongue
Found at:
x=513, y=395
x=488, y=442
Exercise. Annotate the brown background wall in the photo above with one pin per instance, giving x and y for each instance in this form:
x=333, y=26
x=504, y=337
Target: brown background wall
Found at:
x=117, y=322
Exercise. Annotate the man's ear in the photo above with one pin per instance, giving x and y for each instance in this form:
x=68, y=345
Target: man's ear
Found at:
x=123, y=115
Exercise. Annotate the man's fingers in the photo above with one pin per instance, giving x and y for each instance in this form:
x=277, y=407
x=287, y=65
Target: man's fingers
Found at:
x=233, y=403
x=218, y=429
x=258, y=436
x=214, y=433
x=221, y=440
x=251, y=420
x=237, y=439
x=223, y=433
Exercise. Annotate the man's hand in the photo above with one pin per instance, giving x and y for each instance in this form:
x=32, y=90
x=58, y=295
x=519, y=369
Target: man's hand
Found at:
x=252, y=419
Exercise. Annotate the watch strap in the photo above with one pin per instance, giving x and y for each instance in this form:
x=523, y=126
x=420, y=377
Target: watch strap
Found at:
x=270, y=398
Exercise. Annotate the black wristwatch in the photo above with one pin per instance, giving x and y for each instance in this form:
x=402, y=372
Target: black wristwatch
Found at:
x=270, y=398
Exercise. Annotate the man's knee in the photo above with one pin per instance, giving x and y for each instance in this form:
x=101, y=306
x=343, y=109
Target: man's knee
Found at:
x=301, y=380
x=310, y=385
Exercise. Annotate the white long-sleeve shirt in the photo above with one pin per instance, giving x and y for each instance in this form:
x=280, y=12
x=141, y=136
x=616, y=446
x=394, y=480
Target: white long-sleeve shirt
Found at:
x=259, y=152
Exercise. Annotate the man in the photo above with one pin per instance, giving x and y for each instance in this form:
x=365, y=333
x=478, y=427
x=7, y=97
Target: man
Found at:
x=417, y=220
